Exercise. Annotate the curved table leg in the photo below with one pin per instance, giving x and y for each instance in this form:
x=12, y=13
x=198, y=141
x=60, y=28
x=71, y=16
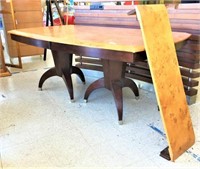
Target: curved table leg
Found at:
x=78, y=72
x=49, y=73
x=63, y=68
x=131, y=84
x=95, y=85
x=114, y=80
x=116, y=88
x=68, y=82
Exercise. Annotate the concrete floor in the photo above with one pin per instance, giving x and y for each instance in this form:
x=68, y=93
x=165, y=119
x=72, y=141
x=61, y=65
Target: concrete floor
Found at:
x=43, y=130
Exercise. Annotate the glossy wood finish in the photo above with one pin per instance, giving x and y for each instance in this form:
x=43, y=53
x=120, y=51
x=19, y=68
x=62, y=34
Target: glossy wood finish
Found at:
x=114, y=80
x=63, y=68
x=184, y=18
x=62, y=61
x=91, y=37
x=166, y=77
x=112, y=46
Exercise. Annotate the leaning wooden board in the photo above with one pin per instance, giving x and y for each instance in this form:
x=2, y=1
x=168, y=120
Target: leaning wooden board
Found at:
x=165, y=72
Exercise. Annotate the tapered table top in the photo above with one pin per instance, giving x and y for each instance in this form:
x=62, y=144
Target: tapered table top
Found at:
x=117, y=39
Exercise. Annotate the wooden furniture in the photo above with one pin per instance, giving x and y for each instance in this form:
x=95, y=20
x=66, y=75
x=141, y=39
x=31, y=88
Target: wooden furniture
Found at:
x=7, y=10
x=185, y=18
x=159, y=46
x=68, y=40
x=21, y=14
x=3, y=69
x=106, y=43
x=100, y=42
x=49, y=15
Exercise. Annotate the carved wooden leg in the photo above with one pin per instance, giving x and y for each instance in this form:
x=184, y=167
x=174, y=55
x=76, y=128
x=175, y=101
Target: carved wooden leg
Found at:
x=95, y=85
x=49, y=73
x=78, y=71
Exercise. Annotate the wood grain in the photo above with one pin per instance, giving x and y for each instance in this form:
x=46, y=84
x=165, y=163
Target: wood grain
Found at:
x=118, y=39
x=165, y=72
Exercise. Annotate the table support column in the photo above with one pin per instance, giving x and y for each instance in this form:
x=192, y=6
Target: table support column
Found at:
x=114, y=80
x=63, y=68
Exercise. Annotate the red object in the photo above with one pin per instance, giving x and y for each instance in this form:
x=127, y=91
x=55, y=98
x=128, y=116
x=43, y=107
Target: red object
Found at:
x=70, y=20
x=57, y=22
x=128, y=3
x=136, y=2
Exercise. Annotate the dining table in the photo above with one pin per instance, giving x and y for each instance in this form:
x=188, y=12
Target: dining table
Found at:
x=114, y=46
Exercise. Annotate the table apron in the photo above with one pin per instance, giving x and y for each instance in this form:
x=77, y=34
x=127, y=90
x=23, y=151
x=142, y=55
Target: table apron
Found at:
x=31, y=41
x=120, y=56
x=95, y=52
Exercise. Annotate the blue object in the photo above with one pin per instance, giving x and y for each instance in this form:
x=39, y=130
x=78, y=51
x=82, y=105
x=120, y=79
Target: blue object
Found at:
x=71, y=2
x=1, y=24
x=96, y=7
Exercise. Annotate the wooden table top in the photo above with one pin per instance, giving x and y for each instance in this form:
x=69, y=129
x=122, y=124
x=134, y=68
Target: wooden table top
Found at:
x=118, y=39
